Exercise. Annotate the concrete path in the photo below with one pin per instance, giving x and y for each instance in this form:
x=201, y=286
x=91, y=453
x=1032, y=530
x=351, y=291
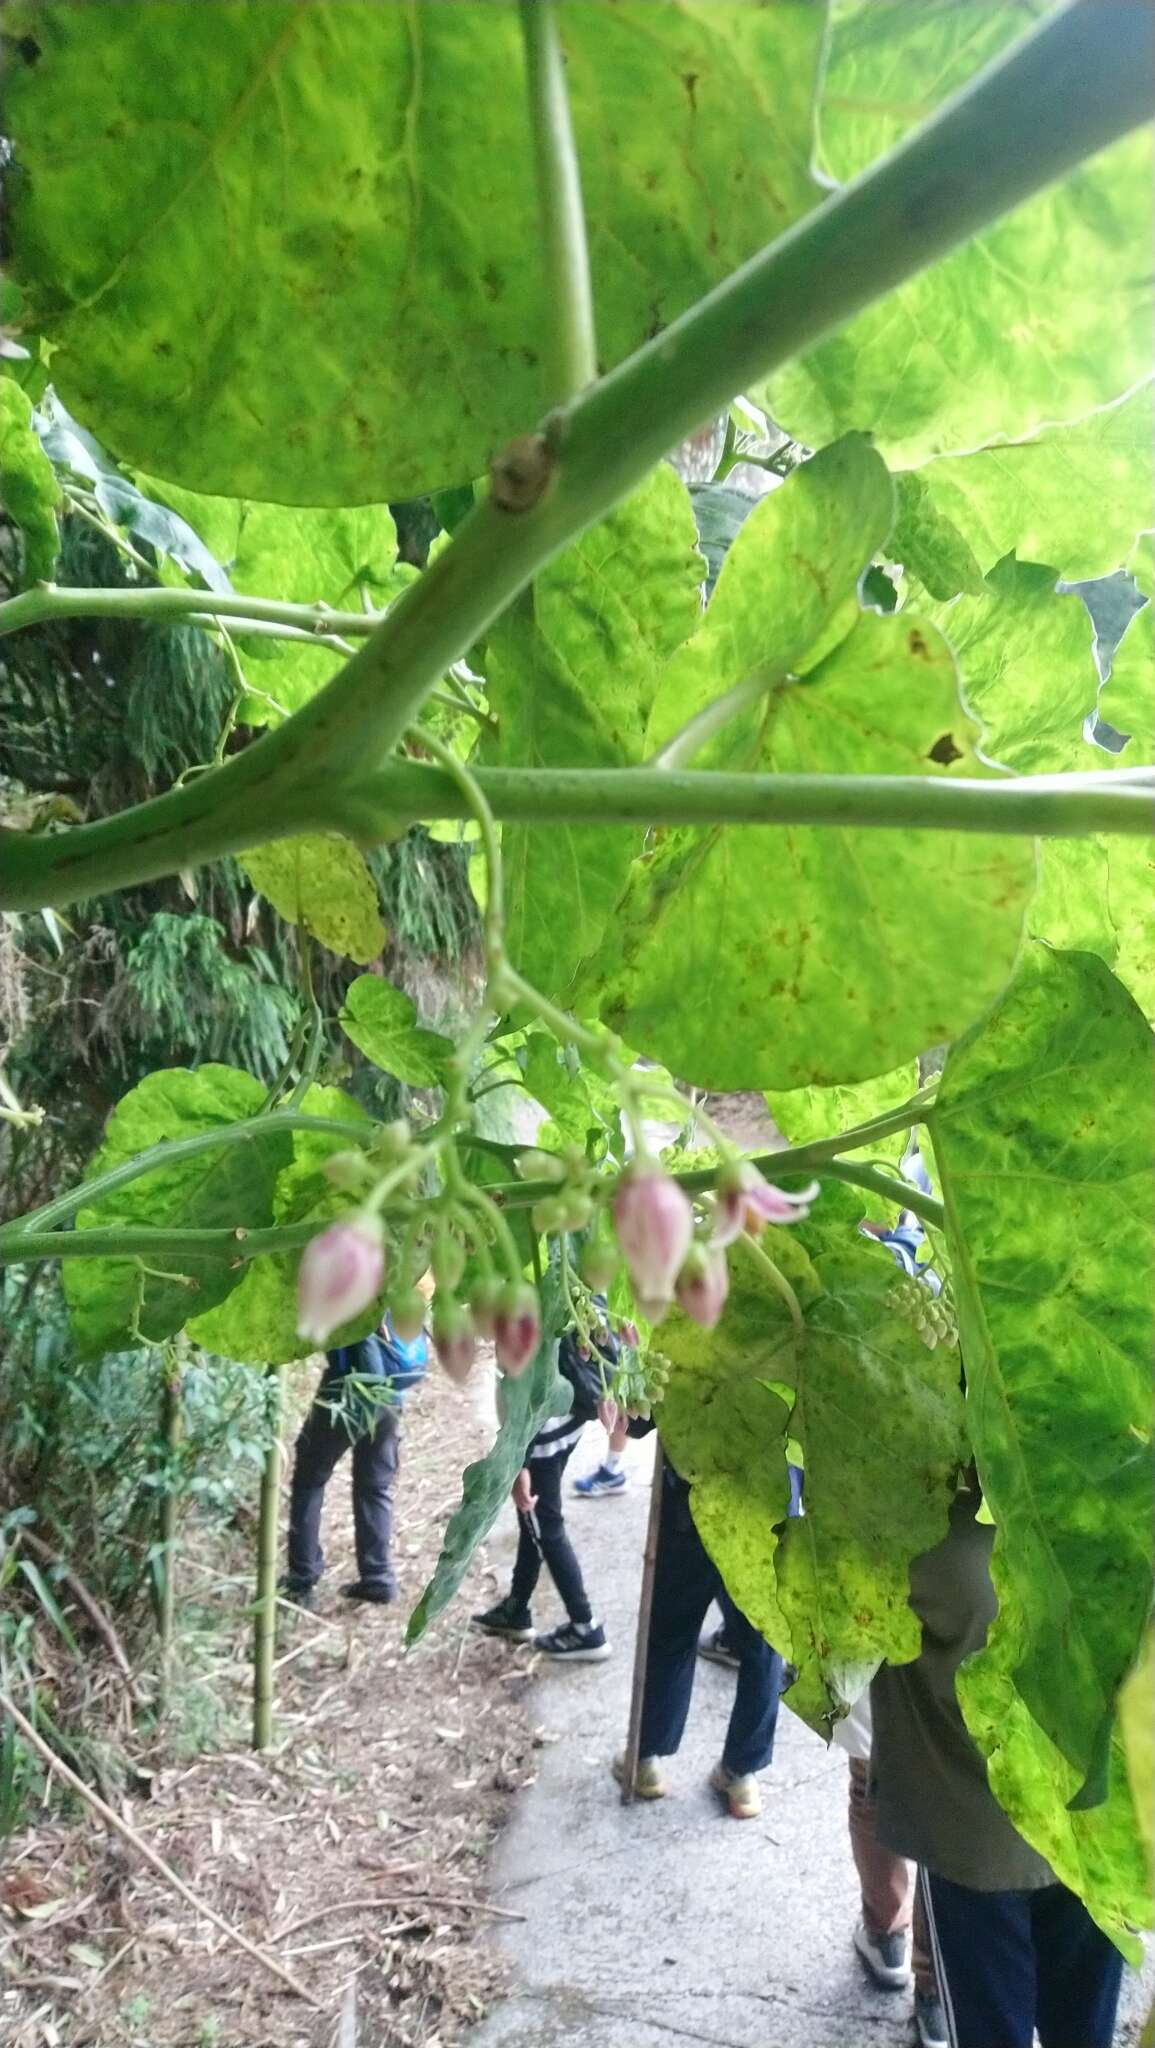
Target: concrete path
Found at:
x=652, y=1925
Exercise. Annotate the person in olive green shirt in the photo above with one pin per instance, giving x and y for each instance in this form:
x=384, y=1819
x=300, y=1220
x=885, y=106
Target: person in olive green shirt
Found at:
x=1016, y=1951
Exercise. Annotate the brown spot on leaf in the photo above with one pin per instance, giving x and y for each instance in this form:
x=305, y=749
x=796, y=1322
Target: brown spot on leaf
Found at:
x=944, y=750
x=916, y=642
x=690, y=81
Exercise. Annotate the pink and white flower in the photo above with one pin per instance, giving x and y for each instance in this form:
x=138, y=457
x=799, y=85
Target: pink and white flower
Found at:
x=517, y=1330
x=455, y=1340
x=340, y=1273
x=703, y=1284
x=745, y=1201
x=655, y=1227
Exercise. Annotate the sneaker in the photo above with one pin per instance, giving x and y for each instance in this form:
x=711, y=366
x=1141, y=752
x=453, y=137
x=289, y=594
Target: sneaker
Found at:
x=717, y=1650
x=597, y=1485
x=506, y=1619
x=929, y=2019
x=374, y=1591
x=575, y=1642
x=298, y=1592
x=886, y=1957
x=648, y=1780
x=740, y=1791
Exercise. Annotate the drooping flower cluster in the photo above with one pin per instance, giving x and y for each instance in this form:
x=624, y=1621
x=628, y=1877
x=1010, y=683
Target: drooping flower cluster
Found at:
x=668, y=1258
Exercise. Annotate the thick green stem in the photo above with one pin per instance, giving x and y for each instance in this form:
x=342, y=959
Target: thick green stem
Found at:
x=171, y=1152
x=1075, y=84
x=265, y=1603
x=567, y=293
x=19, y=1244
x=182, y=607
x=899, y=1192
x=57, y=869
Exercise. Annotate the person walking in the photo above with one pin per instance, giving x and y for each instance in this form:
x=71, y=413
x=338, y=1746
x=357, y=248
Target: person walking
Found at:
x=542, y=1537
x=686, y=1580
x=1016, y=1952
x=358, y=1407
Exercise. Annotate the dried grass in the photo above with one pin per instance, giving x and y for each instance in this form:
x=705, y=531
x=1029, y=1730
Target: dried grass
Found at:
x=355, y=1849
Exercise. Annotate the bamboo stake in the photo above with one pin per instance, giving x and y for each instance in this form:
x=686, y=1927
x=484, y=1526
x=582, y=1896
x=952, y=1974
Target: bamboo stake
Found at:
x=265, y=1617
x=155, y=1863
x=642, y=1641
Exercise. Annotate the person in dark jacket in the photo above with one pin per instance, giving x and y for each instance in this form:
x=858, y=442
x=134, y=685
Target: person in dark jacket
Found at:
x=1016, y=1952
x=357, y=1406
x=542, y=1537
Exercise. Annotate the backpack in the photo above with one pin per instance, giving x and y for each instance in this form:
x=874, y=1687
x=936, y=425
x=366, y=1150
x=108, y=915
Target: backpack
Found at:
x=584, y=1372
x=384, y=1356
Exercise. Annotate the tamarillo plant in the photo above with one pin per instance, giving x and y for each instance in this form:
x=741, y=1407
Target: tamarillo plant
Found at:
x=873, y=798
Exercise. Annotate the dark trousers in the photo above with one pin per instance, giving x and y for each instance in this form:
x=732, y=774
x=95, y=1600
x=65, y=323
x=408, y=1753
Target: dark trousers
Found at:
x=1011, y=1962
x=325, y=1437
x=542, y=1539
x=685, y=1582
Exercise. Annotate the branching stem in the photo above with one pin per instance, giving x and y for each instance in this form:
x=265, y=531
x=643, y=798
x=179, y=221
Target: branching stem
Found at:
x=950, y=178
x=567, y=292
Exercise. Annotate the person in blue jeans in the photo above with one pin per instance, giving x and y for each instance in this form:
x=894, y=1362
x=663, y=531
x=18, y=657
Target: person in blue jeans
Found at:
x=357, y=1407
x=686, y=1580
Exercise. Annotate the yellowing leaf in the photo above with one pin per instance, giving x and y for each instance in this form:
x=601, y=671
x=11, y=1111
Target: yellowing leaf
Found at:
x=323, y=883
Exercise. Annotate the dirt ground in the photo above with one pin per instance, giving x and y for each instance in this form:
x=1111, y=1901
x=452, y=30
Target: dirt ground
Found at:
x=353, y=1851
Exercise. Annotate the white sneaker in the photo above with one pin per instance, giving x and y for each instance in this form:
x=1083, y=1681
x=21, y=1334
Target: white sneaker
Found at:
x=886, y=1956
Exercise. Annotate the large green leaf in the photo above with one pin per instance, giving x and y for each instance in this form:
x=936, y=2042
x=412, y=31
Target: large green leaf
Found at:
x=523, y=1404
x=1044, y=1133
x=29, y=492
x=1033, y=497
x=1040, y=319
x=115, y=1303
x=258, y=1321
x=323, y=883
x=301, y=555
x=782, y=958
x=1026, y=657
x=787, y=581
x=370, y=169
x=928, y=543
x=1098, y=1851
x=878, y=1418
x=1127, y=699
x=891, y=62
x=382, y=1021
x=1137, y=1728
x=1096, y=895
x=805, y=1113
x=571, y=673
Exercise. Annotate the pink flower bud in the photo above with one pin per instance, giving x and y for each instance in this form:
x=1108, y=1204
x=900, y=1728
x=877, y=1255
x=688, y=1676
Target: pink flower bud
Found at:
x=655, y=1224
x=703, y=1284
x=484, y=1301
x=599, y=1264
x=455, y=1339
x=630, y=1334
x=517, y=1329
x=745, y=1201
x=408, y=1312
x=340, y=1272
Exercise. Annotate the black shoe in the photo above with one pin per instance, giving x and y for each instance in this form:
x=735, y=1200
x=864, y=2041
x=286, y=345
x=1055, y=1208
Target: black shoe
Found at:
x=298, y=1592
x=717, y=1650
x=374, y=1591
x=506, y=1619
x=575, y=1642
x=929, y=2019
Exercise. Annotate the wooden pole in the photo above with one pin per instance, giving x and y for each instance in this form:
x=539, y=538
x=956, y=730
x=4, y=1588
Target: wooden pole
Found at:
x=642, y=1641
x=265, y=1604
